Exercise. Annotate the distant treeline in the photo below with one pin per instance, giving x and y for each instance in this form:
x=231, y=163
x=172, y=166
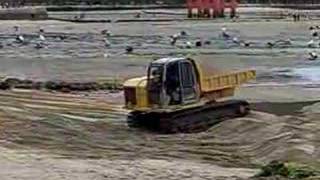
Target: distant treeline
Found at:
x=139, y=2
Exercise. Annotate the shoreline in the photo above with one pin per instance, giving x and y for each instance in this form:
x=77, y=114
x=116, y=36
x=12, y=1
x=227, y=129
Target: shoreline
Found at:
x=55, y=8
x=181, y=6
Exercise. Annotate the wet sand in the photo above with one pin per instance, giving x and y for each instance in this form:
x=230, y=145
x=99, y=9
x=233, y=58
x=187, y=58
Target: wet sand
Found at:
x=84, y=135
x=81, y=136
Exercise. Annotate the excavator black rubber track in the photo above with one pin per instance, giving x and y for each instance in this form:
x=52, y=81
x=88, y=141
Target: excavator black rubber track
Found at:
x=191, y=120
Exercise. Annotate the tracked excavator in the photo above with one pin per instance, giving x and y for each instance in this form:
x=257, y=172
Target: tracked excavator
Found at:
x=177, y=96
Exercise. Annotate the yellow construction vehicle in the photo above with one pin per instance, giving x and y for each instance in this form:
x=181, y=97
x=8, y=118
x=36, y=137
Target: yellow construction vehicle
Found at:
x=178, y=96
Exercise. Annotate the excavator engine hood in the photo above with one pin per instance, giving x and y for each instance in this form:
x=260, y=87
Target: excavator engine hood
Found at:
x=135, y=92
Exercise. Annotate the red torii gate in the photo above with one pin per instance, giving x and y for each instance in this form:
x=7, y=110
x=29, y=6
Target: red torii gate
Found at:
x=211, y=8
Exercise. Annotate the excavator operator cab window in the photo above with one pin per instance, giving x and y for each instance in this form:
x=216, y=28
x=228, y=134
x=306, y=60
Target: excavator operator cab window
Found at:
x=172, y=83
x=155, y=83
x=156, y=75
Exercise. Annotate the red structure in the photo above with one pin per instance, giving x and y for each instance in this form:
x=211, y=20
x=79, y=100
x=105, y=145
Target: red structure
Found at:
x=210, y=8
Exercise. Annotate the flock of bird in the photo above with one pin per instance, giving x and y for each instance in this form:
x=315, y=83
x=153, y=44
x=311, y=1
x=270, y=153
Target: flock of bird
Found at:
x=227, y=36
x=314, y=32
x=20, y=39
x=181, y=36
x=312, y=43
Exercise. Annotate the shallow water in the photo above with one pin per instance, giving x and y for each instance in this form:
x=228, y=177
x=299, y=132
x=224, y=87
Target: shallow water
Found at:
x=77, y=51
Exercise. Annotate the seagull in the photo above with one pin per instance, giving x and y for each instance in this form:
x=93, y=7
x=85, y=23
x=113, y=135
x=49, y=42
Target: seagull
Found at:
x=241, y=42
x=224, y=29
x=176, y=36
x=207, y=42
x=106, y=55
x=245, y=43
x=188, y=45
x=225, y=33
x=16, y=29
x=129, y=49
x=198, y=43
x=183, y=33
x=39, y=45
x=288, y=41
x=82, y=15
x=106, y=32
x=313, y=56
x=311, y=44
x=174, y=39
x=235, y=40
x=19, y=37
x=41, y=30
x=270, y=44
x=61, y=37
x=106, y=42
x=284, y=42
x=311, y=28
x=138, y=15
x=41, y=37
x=314, y=33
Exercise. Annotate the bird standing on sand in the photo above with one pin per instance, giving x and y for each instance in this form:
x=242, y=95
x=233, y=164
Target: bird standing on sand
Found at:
x=61, y=37
x=41, y=30
x=173, y=41
x=106, y=55
x=138, y=15
x=235, y=40
x=106, y=42
x=314, y=33
x=106, y=32
x=311, y=44
x=241, y=42
x=129, y=49
x=174, y=38
x=19, y=37
x=41, y=36
x=82, y=15
x=225, y=33
x=39, y=45
x=207, y=42
x=286, y=42
x=198, y=43
x=271, y=44
x=313, y=56
x=245, y=43
x=188, y=45
x=183, y=33
x=280, y=42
